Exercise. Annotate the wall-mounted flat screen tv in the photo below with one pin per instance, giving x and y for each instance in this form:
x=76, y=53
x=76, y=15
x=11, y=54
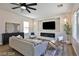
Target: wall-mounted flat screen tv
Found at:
x=49, y=25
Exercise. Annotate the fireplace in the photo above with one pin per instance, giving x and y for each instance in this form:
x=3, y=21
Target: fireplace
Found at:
x=51, y=35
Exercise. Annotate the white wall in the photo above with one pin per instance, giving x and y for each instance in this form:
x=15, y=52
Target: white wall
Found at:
x=75, y=21
x=10, y=17
x=59, y=24
x=75, y=28
x=36, y=27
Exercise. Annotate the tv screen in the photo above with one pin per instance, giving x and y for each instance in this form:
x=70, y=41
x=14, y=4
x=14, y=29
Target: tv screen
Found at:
x=49, y=25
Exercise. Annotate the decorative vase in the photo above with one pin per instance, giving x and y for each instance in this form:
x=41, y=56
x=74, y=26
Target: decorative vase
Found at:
x=68, y=40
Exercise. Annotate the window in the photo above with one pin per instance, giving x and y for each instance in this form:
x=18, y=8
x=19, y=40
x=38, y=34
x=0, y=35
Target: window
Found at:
x=26, y=27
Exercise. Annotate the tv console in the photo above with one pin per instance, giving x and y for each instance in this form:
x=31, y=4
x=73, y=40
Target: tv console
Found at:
x=5, y=36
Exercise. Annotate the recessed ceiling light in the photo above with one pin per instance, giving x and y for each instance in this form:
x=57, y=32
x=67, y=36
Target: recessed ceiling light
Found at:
x=60, y=5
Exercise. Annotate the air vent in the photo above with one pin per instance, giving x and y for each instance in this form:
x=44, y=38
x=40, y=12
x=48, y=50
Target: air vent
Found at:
x=60, y=5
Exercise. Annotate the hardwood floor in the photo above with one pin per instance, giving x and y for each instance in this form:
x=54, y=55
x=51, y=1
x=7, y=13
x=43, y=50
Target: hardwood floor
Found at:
x=68, y=50
x=5, y=50
x=71, y=51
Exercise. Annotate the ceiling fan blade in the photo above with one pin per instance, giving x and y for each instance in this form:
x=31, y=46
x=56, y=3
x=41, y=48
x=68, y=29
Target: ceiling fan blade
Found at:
x=32, y=4
x=14, y=3
x=15, y=7
x=28, y=10
x=31, y=8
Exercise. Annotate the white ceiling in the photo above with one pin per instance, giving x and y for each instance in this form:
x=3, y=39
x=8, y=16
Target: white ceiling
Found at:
x=43, y=9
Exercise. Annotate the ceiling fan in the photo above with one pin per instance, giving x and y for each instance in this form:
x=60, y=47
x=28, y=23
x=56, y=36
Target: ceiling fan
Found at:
x=24, y=6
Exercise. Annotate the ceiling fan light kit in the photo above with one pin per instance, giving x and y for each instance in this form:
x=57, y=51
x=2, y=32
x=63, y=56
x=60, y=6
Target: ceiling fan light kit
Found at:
x=23, y=7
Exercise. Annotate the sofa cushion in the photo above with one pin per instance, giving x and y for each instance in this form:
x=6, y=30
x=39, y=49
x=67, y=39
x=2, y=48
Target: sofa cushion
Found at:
x=34, y=41
x=19, y=37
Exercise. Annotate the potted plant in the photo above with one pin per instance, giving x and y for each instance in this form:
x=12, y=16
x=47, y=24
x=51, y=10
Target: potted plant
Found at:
x=67, y=29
